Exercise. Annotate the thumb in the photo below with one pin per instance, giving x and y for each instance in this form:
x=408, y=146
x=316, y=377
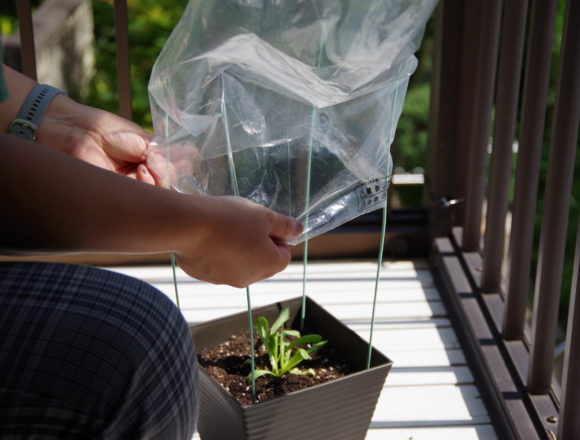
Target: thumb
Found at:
x=284, y=227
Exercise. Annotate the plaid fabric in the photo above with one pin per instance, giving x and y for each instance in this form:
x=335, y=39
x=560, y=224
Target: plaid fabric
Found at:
x=91, y=354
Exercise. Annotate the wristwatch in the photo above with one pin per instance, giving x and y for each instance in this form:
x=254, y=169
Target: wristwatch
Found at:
x=26, y=123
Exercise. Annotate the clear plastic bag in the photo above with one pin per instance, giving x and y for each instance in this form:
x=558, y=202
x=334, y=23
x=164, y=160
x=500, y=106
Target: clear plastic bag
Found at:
x=291, y=104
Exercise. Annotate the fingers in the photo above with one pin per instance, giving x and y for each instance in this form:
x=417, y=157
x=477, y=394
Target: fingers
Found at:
x=170, y=163
x=123, y=140
x=239, y=242
x=159, y=168
x=285, y=257
x=277, y=263
x=284, y=227
x=144, y=175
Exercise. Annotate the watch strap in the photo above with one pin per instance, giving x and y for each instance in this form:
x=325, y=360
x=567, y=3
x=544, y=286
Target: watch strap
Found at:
x=28, y=119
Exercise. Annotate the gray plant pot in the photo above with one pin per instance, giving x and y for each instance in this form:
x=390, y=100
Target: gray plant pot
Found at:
x=337, y=410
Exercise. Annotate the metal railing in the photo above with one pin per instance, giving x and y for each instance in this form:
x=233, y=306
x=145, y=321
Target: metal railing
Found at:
x=489, y=58
x=480, y=49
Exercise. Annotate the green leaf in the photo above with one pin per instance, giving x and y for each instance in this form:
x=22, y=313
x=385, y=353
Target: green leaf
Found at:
x=282, y=318
x=316, y=347
x=293, y=333
x=262, y=328
x=298, y=357
x=274, y=353
x=286, y=354
x=306, y=339
x=280, y=348
x=259, y=373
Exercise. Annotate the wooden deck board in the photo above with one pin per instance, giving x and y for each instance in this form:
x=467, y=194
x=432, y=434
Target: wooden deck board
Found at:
x=430, y=392
x=423, y=376
x=476, y=432
x=429, y=405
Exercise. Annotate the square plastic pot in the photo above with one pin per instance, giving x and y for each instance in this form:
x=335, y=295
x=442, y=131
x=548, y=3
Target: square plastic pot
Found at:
x=339, y=410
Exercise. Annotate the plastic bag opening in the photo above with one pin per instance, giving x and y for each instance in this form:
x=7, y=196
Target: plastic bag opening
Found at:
x=292, y=105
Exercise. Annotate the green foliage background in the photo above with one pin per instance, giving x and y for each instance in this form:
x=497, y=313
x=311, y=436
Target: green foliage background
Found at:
x=150, y=24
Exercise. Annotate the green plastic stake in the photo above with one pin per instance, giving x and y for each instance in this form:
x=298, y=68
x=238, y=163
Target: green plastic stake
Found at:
x=173, y=265
x=381, y=249
x=379, y=264
x=308, y=177
x=237, y=193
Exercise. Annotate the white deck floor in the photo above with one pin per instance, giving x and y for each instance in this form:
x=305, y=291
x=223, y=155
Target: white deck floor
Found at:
x=428, y=395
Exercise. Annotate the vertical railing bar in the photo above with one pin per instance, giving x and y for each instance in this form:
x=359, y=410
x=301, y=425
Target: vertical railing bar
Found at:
x=506, y=105
x=483, y=83
x=569, y=423
x=27, y=50
x=123, y=64
x=556, y=207
x=479, y=50
x=443, y=114
x=434, y=175
x=535, y=94
x=466, y=116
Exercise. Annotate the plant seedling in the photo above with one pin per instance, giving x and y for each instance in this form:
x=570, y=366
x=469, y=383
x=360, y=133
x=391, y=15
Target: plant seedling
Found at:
x=283, y=353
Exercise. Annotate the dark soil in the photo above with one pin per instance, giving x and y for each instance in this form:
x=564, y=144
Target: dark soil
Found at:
x=228, y=363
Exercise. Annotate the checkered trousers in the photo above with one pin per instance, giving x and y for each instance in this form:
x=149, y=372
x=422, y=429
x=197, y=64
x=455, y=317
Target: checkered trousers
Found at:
x=90, y=354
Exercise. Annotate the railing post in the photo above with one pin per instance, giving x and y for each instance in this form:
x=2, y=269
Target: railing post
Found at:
x=27, y=50
x=539, y=53
x=123, y=64
x=443, y=114
x=556, y=206
x=569, y=423
x=480, y=48
x=506, y=111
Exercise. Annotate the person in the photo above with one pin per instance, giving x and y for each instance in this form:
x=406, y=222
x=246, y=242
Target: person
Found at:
x=88, y=353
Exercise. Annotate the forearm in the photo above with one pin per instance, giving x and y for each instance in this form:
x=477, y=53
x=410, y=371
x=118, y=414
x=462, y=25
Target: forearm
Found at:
x=18, y=88
x=57, y=126
x=87, y=133
x=52, y=202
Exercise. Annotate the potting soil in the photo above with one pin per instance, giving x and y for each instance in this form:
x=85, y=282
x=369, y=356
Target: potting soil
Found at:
x=228, y=363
